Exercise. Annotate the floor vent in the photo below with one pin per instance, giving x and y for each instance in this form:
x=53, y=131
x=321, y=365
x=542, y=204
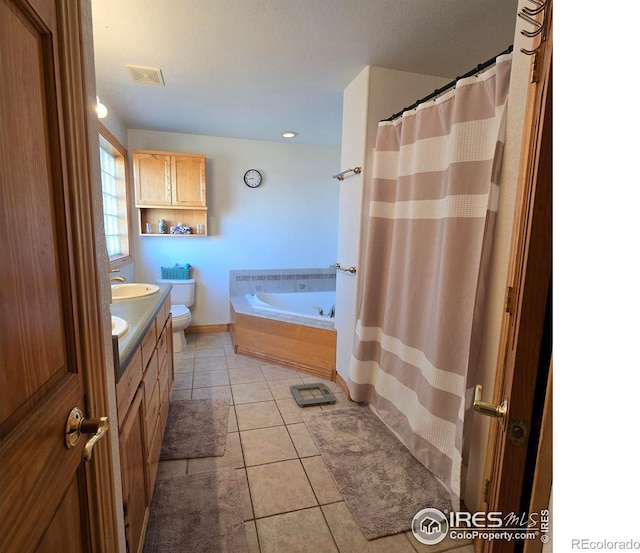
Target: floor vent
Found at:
x=312, y=394
x=145, y=75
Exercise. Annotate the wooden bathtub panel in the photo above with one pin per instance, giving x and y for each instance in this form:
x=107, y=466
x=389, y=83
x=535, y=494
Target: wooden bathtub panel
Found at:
x=310, y=349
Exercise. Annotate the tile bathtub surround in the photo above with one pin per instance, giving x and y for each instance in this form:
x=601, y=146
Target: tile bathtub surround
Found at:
x=289, y=499
x=250, y=281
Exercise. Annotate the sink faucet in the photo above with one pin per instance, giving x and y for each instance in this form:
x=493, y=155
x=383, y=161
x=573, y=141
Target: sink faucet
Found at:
x=117, y=279
x=320, y=311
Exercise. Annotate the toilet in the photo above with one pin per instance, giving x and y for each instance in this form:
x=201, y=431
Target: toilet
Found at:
x=182, y=297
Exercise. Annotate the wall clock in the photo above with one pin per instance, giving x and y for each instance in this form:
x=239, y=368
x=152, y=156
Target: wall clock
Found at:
x=252, y=178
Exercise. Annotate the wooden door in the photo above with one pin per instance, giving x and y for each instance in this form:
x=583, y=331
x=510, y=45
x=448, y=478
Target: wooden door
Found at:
x=188, y=181
x=51, y=345
x=152, y=176
x=523, y=375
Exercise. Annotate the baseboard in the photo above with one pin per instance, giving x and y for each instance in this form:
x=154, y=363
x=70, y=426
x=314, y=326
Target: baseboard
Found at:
x=204, y=329
x=343, y=386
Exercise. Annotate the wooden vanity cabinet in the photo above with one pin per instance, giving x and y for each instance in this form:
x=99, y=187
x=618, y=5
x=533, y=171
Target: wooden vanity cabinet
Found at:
x=143, y=394
x=170, y=186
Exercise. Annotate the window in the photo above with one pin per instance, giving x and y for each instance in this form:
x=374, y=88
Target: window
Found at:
x=115, y=198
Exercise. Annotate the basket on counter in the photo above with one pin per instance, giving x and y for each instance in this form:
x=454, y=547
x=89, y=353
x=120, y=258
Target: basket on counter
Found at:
x=177, y=272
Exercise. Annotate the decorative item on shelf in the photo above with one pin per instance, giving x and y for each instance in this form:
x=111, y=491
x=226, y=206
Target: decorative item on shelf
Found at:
x=162, y=226
x=148, y=228
x=180, y=229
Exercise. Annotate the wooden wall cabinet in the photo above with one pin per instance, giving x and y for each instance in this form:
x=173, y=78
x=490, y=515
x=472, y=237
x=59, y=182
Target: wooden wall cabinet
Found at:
x=170, y=186
x=143, y=394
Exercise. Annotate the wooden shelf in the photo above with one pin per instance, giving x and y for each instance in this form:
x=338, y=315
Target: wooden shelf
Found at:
x=170, y=186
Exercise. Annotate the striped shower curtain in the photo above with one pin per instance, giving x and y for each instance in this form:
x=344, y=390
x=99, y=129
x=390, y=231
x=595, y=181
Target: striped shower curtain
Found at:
x=431, y=218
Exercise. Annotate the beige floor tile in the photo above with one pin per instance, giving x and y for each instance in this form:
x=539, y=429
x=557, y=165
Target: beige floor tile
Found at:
x=245, y=375
x=300, y=532
x=342, y=403
x=258, y=415
x=349, y=538
x=232, y=426
x=236, y=361
x=252, y=537
x=302, y=440
x=321, y=480
x=251, y=393
x=291, y=412
x=217, y=392
x=209, y=339
x=181, y=394
x=245, y=496
x=279, y=488
x=173, y=467
x=216, y=350
x=232, y=457
x=281, y=389
x=277, y=372
x=210, y=364
x=183, y=381
x=207, y=379
x=267, y=445
x=183, y=365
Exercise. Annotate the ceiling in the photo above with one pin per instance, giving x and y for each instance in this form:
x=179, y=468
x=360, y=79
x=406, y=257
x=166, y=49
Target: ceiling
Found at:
x=253, y=68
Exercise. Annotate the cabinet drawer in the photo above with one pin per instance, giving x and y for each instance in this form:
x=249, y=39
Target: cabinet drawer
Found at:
x=148, y=344
x=162, y=345
x=128, y=384
x=164, y=379
x=160, y=320
x=153, y=413
x=150, y=379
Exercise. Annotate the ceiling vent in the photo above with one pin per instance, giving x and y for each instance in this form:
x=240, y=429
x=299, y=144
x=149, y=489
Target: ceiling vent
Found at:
x=145, y=75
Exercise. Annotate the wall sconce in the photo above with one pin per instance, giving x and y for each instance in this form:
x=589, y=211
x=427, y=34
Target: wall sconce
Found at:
x=101, y=109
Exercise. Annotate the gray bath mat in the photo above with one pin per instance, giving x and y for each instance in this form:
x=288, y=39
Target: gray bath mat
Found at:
x=195, y=428
x=382, y=483
x=197, y=513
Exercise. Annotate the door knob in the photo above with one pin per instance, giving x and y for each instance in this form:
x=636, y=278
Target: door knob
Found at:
x=77, y=425
x=488, y=409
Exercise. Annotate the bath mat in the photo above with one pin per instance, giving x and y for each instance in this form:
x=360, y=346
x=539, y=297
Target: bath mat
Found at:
x=197, y=513
x=382, y=483
x=195, y=428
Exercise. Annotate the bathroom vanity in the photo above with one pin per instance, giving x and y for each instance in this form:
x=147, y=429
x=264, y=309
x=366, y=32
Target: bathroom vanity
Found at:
x=144, y=380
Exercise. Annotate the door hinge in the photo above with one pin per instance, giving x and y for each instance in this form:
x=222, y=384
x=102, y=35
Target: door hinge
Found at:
x=485, y=491
x=508, y=300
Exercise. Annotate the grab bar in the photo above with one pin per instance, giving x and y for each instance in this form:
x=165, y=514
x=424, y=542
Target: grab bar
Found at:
x=351, y=270
x=340, y=176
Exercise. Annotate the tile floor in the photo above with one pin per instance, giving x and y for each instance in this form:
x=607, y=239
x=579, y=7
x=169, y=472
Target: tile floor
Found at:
x=290, y=501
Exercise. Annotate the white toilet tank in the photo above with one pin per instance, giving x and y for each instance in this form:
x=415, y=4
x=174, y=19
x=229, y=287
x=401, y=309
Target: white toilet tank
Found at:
x=183, y=291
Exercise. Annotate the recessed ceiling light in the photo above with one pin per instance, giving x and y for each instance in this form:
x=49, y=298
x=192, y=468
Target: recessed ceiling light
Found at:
x=289, y=134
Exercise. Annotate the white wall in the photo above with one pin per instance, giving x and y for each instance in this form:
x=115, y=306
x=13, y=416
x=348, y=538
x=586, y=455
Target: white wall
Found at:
x=290, y=221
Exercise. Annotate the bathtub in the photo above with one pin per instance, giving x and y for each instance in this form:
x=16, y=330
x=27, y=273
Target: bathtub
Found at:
x=301, y=304
x=285, y=328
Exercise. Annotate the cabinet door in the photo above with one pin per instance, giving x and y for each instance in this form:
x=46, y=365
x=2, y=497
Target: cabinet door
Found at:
x=152, y=175
x=189, y=181
x=133, y=459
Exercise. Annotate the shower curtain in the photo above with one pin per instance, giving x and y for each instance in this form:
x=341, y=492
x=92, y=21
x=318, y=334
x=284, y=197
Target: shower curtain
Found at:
x=431, y=216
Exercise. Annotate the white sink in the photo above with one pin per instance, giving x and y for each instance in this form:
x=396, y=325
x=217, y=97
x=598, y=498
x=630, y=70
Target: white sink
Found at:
x=119, y=327
x=132, y=290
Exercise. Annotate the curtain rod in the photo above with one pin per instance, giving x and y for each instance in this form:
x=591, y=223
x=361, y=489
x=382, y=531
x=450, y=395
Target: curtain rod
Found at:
x=446, y=87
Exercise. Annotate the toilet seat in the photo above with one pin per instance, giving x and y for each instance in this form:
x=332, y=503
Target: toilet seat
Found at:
x=179, y=312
